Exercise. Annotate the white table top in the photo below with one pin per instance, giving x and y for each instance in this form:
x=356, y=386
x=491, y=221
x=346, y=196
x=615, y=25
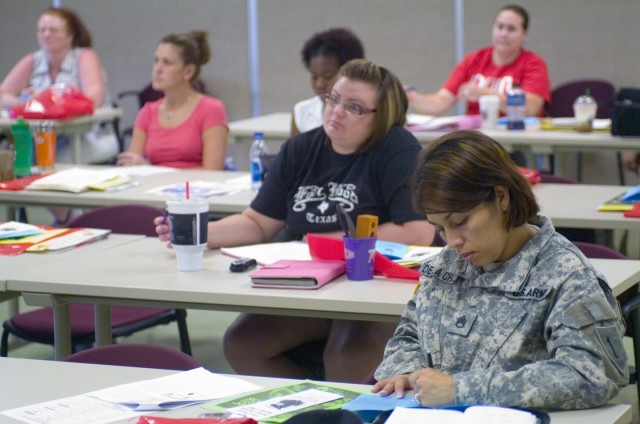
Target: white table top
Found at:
x=12, y=266
x=576, y=206
x=135, y=195
x=145, y=271
x=568, y=205
x=35, y=381
x=277, y=126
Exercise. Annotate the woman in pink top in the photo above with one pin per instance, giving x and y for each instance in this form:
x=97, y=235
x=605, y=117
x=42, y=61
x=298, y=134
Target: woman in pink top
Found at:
x=493, y=70
x=184, y=129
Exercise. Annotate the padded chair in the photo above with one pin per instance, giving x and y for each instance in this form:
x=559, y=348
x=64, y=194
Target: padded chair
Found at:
x=556, y=179
x=563, y=96
x=136, y=355
x=37, y=325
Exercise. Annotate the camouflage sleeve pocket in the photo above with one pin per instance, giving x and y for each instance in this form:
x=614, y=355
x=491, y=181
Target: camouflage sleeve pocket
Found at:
x=589, y=311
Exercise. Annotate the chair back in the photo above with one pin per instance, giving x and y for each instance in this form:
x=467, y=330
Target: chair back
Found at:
x=136, y=355
x=149, y=94
x=123, y=219
x=563, y=96
x=556, y=179
x=597, y=251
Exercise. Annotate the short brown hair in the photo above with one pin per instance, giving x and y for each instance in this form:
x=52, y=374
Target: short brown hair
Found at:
x=391, y=100
x=461, y=169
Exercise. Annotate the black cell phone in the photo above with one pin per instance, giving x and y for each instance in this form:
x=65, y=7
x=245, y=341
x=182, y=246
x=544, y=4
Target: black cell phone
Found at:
x=242, y=265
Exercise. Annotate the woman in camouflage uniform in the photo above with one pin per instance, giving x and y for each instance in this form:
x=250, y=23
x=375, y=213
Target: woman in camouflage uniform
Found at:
x=510, y=312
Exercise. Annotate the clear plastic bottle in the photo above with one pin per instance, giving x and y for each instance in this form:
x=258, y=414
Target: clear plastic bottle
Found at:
x=585, y=109
x=515, y=108
x=257, y=151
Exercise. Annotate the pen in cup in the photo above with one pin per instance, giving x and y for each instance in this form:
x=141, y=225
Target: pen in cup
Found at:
x=345, y=221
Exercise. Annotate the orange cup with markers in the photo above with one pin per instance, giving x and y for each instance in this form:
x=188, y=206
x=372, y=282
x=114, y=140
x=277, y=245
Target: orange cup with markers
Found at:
x=45, y=140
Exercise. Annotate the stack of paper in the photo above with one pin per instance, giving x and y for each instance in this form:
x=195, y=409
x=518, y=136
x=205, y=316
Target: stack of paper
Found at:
x=269, y=253
x=77, y=180
x=130, y=400
x=14, y=229
x=204, y=188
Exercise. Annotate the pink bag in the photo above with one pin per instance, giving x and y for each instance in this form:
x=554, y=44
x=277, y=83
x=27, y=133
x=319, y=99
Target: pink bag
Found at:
x=59, y=101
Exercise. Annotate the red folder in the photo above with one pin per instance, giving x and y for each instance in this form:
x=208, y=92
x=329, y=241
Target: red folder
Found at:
x=20, y=183
x=324, y=247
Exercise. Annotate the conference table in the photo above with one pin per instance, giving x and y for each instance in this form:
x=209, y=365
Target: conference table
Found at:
x=143, y=272
x=73, y=126
x=568, y=205
x=11, y=266
x=138, y=194
x=276, y=128
x=83, y=378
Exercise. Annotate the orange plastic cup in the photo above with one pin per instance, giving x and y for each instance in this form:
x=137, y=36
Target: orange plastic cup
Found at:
x=45, y=138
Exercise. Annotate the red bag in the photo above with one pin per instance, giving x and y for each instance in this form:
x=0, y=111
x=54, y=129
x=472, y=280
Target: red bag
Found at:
x=531, y=175
x=59, y=101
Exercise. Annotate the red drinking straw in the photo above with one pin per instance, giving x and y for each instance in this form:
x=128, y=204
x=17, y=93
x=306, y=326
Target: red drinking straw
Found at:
x=187, y=189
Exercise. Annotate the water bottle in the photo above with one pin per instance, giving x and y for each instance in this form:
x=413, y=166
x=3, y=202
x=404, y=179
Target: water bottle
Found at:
x=23, y=143
x=585, y=109
x=515, y=108
x=257, y=151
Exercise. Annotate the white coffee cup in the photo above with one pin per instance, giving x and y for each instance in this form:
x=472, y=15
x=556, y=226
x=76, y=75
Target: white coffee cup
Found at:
x=489, y=109
x=188, y=224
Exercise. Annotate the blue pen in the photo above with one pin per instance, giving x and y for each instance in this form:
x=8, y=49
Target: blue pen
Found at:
x=164, y=217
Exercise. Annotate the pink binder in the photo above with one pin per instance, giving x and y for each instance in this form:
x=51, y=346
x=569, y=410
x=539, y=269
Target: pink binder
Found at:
x=297, y=274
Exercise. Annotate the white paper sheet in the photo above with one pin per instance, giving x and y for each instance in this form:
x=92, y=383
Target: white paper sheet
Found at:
x=81, y=409
x=174, y=391
x=130, y=400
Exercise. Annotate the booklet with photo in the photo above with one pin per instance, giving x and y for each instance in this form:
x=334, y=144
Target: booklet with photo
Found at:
x=278, y=404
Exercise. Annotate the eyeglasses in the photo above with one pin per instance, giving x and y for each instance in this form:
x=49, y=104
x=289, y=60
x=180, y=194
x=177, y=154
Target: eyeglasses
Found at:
x=351, y=108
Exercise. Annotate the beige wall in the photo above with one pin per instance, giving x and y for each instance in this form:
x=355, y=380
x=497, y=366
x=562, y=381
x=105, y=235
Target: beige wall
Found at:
x=414, y=38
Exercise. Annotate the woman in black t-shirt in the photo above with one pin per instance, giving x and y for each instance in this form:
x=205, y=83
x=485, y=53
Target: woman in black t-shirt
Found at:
x=361, y=158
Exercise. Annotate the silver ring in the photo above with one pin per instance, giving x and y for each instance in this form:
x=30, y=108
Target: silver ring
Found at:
x=417, y=399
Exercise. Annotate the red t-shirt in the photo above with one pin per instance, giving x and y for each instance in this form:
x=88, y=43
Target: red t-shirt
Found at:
x=181, y=146
x=529, y=70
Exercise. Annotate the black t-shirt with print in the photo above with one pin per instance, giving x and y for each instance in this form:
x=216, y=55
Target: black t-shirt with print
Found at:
x=308, y=179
